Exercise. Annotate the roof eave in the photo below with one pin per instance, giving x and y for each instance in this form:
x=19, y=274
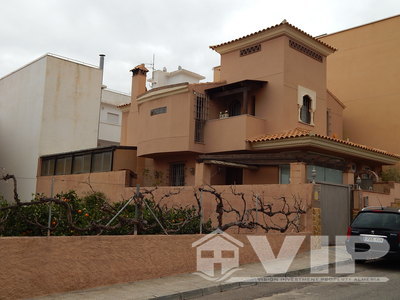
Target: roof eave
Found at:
x=313, y=141
x=274, y=32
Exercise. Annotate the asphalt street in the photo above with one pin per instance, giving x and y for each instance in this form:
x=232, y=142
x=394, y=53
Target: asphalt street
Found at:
x=327, y=291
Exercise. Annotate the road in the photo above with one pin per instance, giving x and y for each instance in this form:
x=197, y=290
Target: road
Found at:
x=327, y=291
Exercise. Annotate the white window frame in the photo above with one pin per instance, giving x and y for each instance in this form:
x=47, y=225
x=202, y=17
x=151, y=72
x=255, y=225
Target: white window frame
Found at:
x=301, y=92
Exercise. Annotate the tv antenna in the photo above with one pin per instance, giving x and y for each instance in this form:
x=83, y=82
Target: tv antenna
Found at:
x=152, y=67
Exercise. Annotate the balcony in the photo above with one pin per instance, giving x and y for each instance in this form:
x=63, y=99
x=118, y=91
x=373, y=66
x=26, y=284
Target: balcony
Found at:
x=230, y=134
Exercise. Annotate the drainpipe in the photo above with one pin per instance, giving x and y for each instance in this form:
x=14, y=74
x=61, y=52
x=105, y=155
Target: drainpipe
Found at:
x=101, y=67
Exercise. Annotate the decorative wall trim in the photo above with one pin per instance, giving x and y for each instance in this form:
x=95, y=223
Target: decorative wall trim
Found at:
x=305, y=50
x=250, y=50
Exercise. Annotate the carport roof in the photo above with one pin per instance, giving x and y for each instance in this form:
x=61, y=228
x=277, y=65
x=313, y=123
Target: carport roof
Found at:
x=303, y=137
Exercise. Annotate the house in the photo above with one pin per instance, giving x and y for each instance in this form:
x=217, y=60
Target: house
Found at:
x=217, y=248
x=364, y=74
x=269, y=119
x=161, y=78
x=52, y=105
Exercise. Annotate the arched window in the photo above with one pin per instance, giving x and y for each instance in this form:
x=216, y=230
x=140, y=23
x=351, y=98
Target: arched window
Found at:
x=305, y=111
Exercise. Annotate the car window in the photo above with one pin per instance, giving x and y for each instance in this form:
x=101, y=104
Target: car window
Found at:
x=377, y=220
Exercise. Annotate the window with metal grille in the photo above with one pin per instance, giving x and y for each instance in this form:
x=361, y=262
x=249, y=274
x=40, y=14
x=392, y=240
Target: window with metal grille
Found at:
x=200, y=114
x=177, y=174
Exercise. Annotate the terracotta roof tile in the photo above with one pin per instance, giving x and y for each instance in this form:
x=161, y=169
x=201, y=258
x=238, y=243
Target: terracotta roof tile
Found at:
x=283, y=23
x=123, y=105
x=300, y=132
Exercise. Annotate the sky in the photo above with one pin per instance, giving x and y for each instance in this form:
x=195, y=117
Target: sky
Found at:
x=176, y=32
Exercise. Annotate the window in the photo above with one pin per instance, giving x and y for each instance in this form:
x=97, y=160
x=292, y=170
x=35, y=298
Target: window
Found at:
x=101, y=162
x=377, y=220
x=284, y=174
x=253, y=106
x=177, y=174
x=81, y=164
x=328, y=122
x=324, y=174
x=112, y=118
x=47, y=167
x=158, y=111
x=307, y=105
x=63, y=165
x=234, y=108
x=201, y=108
x=305, y=110
x=94, y=160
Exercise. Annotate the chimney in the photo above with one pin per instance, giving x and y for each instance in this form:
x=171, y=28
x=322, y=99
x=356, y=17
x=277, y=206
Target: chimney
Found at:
x=138, y=80
x=101, y=64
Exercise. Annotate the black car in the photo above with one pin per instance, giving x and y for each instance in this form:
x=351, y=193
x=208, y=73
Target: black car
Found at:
x=374, y=233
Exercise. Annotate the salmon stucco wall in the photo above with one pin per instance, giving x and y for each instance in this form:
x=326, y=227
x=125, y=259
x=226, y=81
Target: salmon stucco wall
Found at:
x=112, y=184
x=364, y=75
x=37, y=266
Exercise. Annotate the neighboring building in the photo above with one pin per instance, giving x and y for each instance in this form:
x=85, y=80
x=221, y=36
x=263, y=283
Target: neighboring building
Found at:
x=364, y=73
x=270, y=119
x=51, y=105
x=163, y=78
x=110, y=117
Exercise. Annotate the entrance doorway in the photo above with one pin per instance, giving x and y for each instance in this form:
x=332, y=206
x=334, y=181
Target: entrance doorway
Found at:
x=233, y=176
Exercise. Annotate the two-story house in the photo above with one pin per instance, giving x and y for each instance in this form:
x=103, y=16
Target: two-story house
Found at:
x=269, y=119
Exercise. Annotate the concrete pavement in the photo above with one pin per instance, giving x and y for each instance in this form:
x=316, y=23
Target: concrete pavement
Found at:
x=187, y=286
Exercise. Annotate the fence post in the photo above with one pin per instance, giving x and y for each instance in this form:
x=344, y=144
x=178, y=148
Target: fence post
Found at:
x=201, y=211
x=135, y=227
x=51, y=196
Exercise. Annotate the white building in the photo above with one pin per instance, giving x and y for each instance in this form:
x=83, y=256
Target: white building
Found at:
x=162, y=78
x=110, y=117
x=51, y=105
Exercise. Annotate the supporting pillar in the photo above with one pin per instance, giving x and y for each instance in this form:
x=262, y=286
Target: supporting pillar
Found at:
x=298, y=173
x=202, y=174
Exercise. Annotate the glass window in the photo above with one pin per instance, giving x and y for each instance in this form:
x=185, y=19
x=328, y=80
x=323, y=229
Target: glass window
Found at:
x=305, y=111
x=177, y=174
x=81, y=164
x=377, y=220
x=284, y=174
x=101, y=162
x=63, y=165
x=112, y=118
x=234, y=108
x=47, y=167
x=325, y=174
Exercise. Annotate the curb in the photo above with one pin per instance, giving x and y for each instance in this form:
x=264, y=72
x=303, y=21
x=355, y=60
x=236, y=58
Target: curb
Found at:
x=237, y=285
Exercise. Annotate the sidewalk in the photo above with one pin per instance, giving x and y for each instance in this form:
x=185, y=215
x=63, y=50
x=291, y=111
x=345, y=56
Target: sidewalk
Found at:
x=186, y=286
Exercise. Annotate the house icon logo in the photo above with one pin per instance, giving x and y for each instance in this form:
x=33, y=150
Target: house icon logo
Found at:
x=217, y=255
